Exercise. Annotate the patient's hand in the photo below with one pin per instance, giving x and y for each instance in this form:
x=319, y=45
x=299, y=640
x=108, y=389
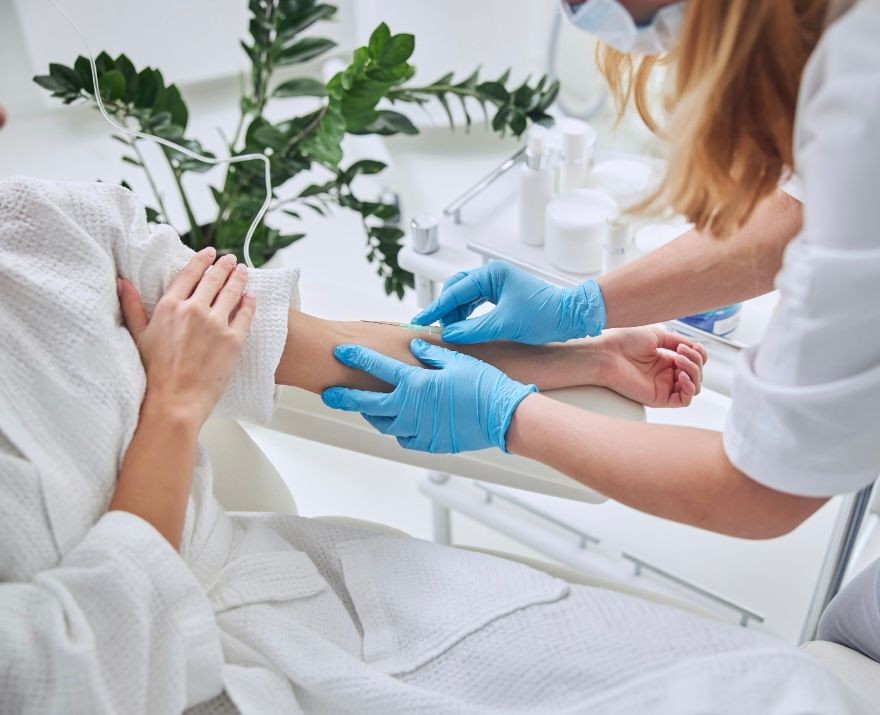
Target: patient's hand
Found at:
x=191, y=344
x=652, y=366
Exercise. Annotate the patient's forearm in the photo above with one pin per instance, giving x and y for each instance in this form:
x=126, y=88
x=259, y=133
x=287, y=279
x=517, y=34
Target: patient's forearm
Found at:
x=308, y=360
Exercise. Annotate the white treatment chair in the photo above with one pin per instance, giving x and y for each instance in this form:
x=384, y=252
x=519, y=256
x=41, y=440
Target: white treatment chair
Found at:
x=234, y=453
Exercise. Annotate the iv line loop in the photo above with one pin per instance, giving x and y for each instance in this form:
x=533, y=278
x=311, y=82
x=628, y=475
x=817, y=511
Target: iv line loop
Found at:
x=214, y=161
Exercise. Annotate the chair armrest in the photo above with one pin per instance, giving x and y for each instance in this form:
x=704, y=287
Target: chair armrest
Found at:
x=302, y=414
x=857, y=672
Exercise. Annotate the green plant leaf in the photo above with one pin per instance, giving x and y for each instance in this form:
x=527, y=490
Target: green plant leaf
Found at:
x=301, y=87
x=66, y=77
x=112, y=85
x=104, y=63
x=173, y=103
x=325, y=143
x=83, y=69
x=388, y=122
x=308, y=48
x=124, y=65
x=378, y=40
x=367, y=167
x=399, y=49
x=48, y=82
x=284, y=240
x=269, y=136
x=316, y=189
x=494, y=92
x=294, y=23
x=149, y=84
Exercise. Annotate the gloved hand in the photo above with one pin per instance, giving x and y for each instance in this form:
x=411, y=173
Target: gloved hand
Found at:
x=463, y=404
x=527, y=310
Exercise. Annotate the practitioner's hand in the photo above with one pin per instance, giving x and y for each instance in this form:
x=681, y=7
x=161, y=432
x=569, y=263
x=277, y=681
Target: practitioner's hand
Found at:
x=652, y=366
x=527, y=309
x=462, y=404
x=191, y=344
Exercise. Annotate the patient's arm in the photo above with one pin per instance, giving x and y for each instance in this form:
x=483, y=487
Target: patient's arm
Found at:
x=308, y=360
x=669, y=376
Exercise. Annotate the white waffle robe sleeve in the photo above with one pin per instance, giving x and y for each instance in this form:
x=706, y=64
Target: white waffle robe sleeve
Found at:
x=805, y=417
x=120, y=625
x=151, y=257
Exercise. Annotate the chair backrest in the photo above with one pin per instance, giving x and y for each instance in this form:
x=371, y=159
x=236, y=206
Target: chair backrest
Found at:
x=244, y=478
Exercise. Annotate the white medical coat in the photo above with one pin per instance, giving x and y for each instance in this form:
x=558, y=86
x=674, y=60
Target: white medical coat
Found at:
x=805, y=417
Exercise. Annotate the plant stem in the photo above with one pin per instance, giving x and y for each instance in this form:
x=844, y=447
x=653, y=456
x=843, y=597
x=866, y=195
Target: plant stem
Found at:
x=308, y=129
x=140, y=157
x=196, y=237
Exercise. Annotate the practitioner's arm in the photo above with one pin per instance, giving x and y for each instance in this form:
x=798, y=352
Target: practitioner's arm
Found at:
x=677, y=473
x=649, y=365
x=716, y=272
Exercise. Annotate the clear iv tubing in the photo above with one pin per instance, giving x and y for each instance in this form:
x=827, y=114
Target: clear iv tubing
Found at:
x=176, y=147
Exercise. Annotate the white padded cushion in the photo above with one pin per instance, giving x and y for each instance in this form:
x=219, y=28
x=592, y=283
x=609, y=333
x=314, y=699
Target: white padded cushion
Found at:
x=857, y=672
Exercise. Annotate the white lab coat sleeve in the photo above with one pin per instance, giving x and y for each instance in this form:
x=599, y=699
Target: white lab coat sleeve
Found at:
x=120, y=625
x=805, y=418
x=152, y=256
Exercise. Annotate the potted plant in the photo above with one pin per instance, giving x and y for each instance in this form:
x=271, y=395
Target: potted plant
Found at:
x=357, y=100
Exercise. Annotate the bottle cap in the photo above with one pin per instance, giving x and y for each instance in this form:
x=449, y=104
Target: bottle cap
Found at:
x=425, y=233
x=536, y=148
x=577, y=136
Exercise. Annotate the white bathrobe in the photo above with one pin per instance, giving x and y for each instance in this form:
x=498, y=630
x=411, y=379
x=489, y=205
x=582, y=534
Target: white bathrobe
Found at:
x=267, y=613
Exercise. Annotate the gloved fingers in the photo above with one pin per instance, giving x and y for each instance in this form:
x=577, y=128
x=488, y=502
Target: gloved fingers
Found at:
x=414, y=443
x=380, y=424
x=376, y=364
x=350, y=400
x=460, y=292
x=476, y=330
x=431, y=355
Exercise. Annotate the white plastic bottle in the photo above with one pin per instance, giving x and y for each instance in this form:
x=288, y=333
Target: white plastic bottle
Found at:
x=535, y=188
x=578, y=145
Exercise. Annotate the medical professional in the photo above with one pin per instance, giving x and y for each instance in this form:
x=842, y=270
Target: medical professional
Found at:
x=758, y=90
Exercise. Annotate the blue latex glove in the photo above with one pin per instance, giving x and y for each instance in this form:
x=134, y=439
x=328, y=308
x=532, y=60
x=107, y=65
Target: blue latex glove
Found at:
x=461, y=405
x=527, y=309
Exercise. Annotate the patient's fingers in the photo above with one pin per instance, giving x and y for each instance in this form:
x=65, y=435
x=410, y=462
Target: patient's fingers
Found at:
x=692, y=355
x=686, y=389
x=133, y=312
x=192, y=273
x=672, y=341
x=230, y=295
x=244, y=315
x=691, y=369
x=214, y=279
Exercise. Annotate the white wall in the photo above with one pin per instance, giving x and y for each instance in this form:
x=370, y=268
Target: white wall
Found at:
x=191, y=41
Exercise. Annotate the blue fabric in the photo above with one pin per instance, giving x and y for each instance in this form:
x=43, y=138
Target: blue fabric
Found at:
x=527, y=309
x=457, y=405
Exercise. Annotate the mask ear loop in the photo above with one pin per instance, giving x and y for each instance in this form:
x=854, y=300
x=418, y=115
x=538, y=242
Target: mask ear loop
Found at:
x=180, y=149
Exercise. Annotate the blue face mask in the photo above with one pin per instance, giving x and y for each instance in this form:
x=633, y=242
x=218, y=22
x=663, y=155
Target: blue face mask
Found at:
x=611, y=23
